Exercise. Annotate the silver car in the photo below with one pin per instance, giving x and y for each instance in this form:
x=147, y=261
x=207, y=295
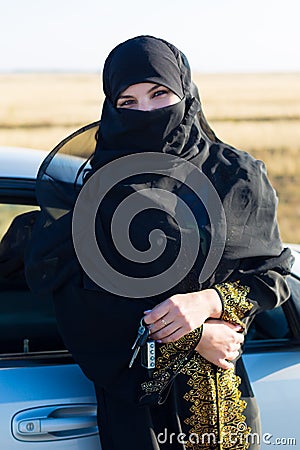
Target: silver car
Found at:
x=45, y=400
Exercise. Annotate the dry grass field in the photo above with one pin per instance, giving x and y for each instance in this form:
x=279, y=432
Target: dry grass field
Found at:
x=259, y=113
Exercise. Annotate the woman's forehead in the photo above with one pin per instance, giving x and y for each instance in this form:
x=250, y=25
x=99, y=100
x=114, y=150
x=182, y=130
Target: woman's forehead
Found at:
x=142, y=88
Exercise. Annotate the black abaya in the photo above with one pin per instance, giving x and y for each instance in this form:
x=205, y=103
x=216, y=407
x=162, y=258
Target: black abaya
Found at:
x=99, y=326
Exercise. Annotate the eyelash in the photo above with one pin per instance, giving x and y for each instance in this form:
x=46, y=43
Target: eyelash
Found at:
x=160, y=92
x=157, y=93
x=126, y=103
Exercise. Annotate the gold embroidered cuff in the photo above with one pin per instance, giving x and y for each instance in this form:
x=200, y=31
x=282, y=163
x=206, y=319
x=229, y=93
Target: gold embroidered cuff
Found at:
x=234, y=301
x=172, y=359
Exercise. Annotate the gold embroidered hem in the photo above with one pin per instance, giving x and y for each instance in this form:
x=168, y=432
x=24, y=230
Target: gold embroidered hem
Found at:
x=234, y=300
x=174, y=356
x=217, y=422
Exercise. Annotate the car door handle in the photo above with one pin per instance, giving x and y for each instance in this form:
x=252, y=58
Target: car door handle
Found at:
x=56, y=422
x=51, y=425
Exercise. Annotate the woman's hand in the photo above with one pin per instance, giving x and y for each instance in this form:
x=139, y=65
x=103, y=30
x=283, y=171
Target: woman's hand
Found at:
x=182, y=313
x=220, y=341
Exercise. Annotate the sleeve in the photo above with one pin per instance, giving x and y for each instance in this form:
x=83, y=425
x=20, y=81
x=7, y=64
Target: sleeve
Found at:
x=251, y=294
x=258, y=282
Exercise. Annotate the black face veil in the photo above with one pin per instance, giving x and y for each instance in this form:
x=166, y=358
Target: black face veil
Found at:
x=179, y=131
x=140, y=60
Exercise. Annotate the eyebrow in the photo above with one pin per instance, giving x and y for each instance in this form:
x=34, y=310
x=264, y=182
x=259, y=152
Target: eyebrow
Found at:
x=148, y=92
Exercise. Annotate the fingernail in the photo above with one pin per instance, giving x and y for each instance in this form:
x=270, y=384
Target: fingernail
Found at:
x=159, y=341
x=148, y=311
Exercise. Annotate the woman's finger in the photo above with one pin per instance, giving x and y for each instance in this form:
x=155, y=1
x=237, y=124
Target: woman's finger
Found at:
x=164, y=332
x=232, y=326
x=156, y=313
x=224, y=364
x=160, y=324
x=233, y=355
x=179, y=333
x=240, y=338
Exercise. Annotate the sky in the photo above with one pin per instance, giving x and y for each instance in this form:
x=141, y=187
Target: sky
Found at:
x=216, y=35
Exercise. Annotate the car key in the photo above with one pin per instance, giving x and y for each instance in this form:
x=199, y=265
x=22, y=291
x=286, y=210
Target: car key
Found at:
x=141, y=339
x=140, y=332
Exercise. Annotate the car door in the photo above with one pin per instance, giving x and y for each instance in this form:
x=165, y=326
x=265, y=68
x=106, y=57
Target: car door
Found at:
x=272, y=359
x=45, y=400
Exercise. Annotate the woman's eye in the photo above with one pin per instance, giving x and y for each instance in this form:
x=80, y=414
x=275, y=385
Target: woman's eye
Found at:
x=160, y=92
x=125, y=103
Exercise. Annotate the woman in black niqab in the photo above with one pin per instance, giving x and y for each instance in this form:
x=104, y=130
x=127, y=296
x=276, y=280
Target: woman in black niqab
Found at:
x=186, y=393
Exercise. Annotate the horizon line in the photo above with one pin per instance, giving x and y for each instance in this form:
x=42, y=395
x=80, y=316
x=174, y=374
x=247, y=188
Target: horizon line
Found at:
x=98, y=72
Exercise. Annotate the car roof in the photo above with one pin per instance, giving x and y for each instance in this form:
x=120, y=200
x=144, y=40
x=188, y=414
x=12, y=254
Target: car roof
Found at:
x=20, y=162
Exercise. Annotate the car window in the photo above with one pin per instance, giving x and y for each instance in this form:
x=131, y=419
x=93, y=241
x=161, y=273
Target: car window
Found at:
x=270, y=325
x=280, y=324
x=8, y=211
x=27, y=321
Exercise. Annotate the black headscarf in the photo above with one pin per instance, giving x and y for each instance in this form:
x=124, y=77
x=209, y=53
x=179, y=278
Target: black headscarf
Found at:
x=251, y=245
x=143, y=58
x=147, y=59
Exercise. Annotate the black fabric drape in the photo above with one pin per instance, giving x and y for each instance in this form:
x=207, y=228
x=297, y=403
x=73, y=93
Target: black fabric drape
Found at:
x=99, y=326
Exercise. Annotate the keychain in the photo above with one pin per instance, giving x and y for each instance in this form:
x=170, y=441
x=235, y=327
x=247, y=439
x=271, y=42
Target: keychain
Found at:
x=146, y=345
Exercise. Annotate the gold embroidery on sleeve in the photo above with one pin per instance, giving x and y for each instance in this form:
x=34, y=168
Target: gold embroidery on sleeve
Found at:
x=235, y=303
x=173, y=356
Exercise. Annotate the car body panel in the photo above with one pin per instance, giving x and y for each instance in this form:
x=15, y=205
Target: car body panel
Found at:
x=30, y=387
x=35, y=384
x=275, y=379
